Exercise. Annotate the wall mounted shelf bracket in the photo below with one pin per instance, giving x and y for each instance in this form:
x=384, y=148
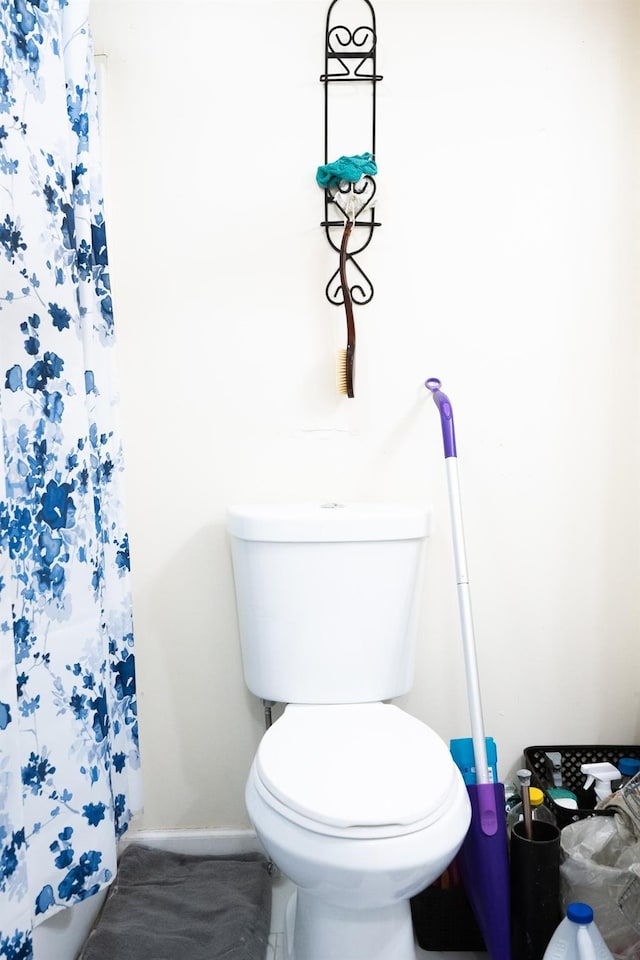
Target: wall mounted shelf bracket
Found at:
x=350, y=57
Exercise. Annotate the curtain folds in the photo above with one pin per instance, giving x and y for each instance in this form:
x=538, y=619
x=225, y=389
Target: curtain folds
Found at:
x=69, y=763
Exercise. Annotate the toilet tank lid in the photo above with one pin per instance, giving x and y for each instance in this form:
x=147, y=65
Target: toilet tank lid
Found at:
x=329, y=522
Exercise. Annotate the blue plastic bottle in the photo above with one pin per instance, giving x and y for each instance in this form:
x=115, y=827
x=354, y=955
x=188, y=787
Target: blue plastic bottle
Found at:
x=577, y=937
x=628, y=767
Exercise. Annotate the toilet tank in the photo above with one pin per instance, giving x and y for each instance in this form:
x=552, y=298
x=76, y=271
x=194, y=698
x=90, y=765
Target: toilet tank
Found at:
x=327, y=598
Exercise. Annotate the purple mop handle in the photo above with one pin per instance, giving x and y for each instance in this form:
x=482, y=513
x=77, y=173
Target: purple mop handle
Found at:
x=488, y=811
x=443, y=404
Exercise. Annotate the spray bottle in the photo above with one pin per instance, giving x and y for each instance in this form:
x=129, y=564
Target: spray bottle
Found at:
x=603, y=775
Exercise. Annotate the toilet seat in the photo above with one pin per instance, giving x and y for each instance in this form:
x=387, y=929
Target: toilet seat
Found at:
x=355, y=770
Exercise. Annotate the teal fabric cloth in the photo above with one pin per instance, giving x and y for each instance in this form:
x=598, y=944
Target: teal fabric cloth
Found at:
x=350, y=169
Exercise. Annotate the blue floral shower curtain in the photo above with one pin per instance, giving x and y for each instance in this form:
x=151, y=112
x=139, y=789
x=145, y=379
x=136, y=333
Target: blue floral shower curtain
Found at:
x=68, y=731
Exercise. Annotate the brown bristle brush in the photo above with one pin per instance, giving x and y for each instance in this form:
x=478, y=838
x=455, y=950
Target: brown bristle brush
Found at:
x=346, y=358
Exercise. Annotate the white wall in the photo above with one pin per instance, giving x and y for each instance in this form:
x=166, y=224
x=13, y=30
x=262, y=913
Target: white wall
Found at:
x=506, y=265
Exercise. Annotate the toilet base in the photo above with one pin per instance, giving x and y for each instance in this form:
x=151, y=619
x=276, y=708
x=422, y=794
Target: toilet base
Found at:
x=323, y=931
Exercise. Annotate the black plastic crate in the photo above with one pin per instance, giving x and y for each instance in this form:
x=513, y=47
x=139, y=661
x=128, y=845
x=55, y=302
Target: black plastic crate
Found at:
x=444, y=920
x=572, y=779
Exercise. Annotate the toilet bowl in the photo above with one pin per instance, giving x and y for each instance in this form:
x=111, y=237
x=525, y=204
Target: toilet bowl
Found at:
x=361, y=807
x=359, y=804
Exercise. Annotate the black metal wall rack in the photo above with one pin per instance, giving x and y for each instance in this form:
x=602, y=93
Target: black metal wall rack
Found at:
x=350, y=57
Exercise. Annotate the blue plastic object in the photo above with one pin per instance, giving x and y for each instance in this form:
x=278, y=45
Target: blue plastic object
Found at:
x=628, y=766
x=462, y=752
x=580, y=913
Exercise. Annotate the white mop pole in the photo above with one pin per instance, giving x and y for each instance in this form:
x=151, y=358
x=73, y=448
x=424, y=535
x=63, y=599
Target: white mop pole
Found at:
x=466, y=623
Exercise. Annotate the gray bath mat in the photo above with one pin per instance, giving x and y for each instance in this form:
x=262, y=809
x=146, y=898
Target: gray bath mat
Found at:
x=164, y=906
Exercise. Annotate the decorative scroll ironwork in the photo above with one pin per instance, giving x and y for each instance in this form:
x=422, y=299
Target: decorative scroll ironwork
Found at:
x=350, y=57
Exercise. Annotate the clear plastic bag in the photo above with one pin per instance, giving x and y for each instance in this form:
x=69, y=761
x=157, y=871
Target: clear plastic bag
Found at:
x=601, y=866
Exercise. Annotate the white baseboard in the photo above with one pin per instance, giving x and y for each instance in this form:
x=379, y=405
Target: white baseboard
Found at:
x=213, y=843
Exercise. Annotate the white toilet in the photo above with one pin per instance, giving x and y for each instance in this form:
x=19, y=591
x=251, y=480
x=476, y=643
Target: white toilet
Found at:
x=359, y=804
